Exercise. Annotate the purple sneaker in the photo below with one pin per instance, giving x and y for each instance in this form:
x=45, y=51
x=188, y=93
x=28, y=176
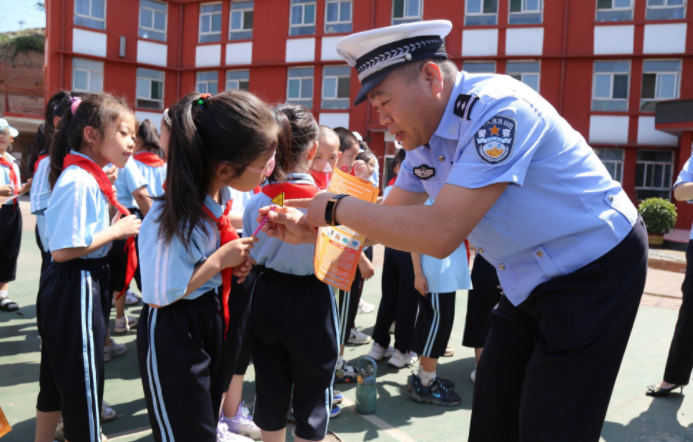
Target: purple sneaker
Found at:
x=241, y=424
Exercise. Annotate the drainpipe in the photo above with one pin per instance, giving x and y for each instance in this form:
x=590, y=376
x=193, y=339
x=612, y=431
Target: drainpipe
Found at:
x=180, y=45
x=565, y=44
x=368, y=107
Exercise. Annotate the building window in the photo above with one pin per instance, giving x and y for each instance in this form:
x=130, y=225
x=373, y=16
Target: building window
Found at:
x=666, y=10
x=653, y=174
x=150, y=89
x=210, y=22
x=614, y=10
x=406, y=11
x=152, y=20
x=613, y=161
x=660, y=81
x=524, y=12
x=90, y=13
x=241, y=21
x=526, y=72
x=207, y=82
x=87, y=75
x=611, y=84
x=337, y=16
x=302, y=17
x=300, y=87
x=237, y=80
x=481, y=12
x=486, y=67
x=335, y=87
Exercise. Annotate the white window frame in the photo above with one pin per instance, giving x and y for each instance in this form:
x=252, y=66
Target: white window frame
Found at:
x=300, y=89
x=482, y=13
x=339, y=11
x=242, y=11
x=89, y=74
x=611, y=84
x=467, y=63
x=336, y=90
x=206, y=82
x=522, y=74
x=666, y=6
x=618, y=163
x=665, y=186
x=154, y=11
x=614, y=8
x=523, y=12
x=407, y=18
x=303, y=16
x=211, y=21
x=150, y=80
x=105, y=13
x=238, y=81
x=677, y=89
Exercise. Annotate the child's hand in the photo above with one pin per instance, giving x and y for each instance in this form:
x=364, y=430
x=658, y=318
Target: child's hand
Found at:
x=242, y=270
x=26, y=187
x=6, y=191
x=235, y=253
x=420, y=284
x=128, y=226
x=112, y=174
x=361, y=170
x=366, y=267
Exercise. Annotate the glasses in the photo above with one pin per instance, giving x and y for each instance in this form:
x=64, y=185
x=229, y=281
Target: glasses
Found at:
x=267, y=170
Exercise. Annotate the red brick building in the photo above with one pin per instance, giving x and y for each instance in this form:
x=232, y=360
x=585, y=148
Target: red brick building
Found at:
x=604, y=64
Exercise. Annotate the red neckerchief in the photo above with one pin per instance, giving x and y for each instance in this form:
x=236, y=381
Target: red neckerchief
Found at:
x=105, y=185
x=257, y=190
x=227, y=234
x=13, y=177
x=36, y=164
x=392, y=181
x=322, y=179
x=150, y=159
x=291, y=191
x=466, y=244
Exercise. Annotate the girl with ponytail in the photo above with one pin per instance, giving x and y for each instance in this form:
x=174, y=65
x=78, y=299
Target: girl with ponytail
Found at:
x=73, y=303
x=189, y=253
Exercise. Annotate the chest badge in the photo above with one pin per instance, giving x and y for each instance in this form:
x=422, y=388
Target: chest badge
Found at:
x=424, y=172
x=463, y=105
x=494, y=140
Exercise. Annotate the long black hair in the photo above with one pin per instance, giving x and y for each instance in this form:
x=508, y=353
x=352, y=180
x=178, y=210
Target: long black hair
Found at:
x=99, y=111
x=235, y=127
x=149, y=137
x=48, y=128
x=298, y=133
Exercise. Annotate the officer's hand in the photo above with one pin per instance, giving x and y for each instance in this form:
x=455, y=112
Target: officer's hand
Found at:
x=316, y=207
x=287, y=224
x=421, y=284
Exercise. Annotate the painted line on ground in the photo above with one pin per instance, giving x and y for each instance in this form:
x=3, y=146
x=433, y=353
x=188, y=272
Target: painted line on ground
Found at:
x=387, y=428
x=135, y=432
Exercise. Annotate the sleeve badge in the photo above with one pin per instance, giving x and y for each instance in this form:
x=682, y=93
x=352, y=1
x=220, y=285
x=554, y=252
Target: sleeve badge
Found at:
x=494, y=140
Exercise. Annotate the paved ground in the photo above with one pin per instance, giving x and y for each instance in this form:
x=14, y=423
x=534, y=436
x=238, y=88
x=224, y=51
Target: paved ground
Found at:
x=632, y=416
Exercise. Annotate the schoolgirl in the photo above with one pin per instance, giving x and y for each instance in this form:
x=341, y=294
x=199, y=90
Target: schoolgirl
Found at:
x=293, y=314
x=189, y=250
x=149, y=158
x=349, y=147
x=325, y=160
x=10, y=215
x=73, y=301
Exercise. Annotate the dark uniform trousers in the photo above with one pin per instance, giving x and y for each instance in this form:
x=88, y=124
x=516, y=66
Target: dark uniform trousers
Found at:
x=10, y=241
x=550, y=364
x=433, y=324
x=349, y=303
x=46, y=257
x=118, y=261
x=399, y=302
x=680, y=360
x=484, y=295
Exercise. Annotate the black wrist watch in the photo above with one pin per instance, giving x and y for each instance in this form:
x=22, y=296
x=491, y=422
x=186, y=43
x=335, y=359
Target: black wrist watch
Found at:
x=331, y=210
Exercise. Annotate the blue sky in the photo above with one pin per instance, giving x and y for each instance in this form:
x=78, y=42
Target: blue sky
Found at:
x=12, y=11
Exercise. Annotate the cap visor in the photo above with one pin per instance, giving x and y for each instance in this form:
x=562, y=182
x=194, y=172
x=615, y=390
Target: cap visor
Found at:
x=370, y=83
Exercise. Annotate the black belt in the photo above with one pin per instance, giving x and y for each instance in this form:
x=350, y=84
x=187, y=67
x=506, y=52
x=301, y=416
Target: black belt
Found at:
x=92, y=265
x=292, y=280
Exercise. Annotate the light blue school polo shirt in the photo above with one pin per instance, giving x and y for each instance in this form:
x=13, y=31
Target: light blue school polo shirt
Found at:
x=40, y=197
x=561, y=210
x=5, y=175
x=686, y=176
x=129, y=180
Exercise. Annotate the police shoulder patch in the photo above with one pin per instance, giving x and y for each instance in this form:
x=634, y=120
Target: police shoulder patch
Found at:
x=424, y=172
x=463, y=105
x=494, y=140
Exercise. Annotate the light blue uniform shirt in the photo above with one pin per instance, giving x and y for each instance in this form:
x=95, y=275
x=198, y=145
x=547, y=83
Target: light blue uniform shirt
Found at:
x=155, y=177
x=240, y=200
x=77, y=210
x=449, y=274
x=375, y=176
x=561, y=210
x=129, y=179
x=686, y=176
x=40, y=197
x=272, y=252
x=5, y=175
x=166, y=269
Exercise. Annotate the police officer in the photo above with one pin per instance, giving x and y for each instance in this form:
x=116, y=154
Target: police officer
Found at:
x=509, y=173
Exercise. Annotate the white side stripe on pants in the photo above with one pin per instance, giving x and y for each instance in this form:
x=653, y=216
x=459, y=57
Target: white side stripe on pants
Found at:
x=435, y=323
x=154, y=386
x=88, y=357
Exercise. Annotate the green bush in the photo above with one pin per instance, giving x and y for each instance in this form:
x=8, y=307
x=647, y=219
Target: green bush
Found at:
x=659, y=215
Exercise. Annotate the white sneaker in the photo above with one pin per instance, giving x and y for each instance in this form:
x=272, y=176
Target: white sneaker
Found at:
x=242, y=423
x=392, y=328
x=224, y=435
x=113, y=350
x=124, y=324
x=378, y=353
x=356, y=337
x=473, y=375
x=400, y=360
x=131, y=298
x=108, y=414
x=364, y=307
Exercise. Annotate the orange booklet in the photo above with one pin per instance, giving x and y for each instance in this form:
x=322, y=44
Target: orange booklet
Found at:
x=4, y=425
x=338, y=249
